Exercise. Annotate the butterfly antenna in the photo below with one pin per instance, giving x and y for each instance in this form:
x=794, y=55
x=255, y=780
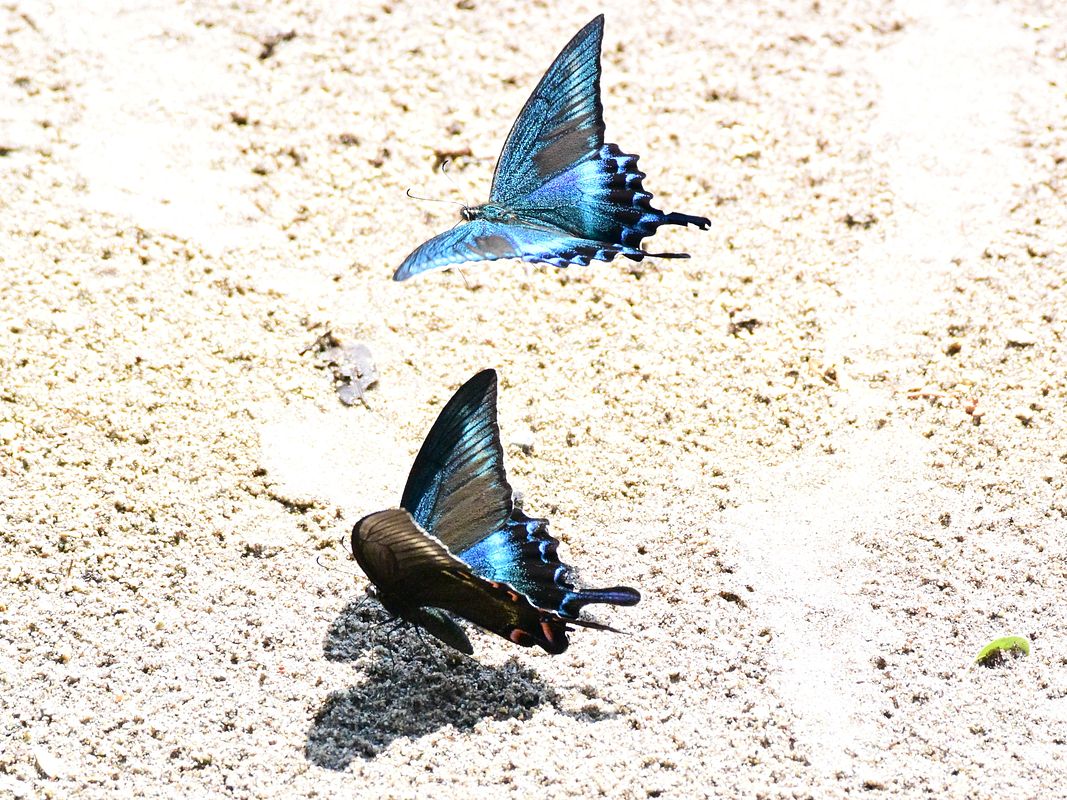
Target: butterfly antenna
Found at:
x=444, y=171
x=414, y=196
x=319, y=561
x=359, y=605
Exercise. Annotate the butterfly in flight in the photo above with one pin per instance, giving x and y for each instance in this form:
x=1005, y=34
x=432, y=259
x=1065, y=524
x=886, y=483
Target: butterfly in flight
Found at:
x=561, y=195
x=459, y=546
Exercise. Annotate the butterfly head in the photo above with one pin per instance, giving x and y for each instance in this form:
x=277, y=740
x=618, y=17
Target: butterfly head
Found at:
x=362, y=556
x=470, y=213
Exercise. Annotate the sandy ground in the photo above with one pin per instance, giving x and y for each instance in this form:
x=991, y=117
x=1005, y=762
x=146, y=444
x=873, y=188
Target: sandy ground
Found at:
x=829, y=449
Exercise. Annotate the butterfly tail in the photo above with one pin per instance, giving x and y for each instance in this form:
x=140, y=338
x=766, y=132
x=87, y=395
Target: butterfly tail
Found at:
x=572, y=604
x=556, y=576
x=647, y=226
x=675, y=218
x=524, y=555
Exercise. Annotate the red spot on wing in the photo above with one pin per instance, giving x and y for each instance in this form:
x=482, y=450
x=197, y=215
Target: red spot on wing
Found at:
x=513, y=596
x=555, y=636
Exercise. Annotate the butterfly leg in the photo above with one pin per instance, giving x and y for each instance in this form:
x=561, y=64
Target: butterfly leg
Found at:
x=389, y=648
x=466, y=283
x=422, y=639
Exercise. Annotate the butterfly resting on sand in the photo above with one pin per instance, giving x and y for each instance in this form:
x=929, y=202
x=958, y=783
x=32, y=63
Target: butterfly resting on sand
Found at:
x=459, y=546
x=561, y=195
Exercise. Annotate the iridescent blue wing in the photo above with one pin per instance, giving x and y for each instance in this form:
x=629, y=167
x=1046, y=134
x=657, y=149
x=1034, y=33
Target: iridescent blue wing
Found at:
x=481, y=240
x=561, y=123
x=602, y=200
x=457, y=491
x=556, y=170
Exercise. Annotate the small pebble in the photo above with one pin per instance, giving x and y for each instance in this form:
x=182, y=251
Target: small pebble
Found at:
x=48, y=765
x=8, y=431
x=522, y=439
x=202, y=758
x=1020, y=337
x=1024, y=415
x=349, y=393
x=1037, y=23
x=353, y=369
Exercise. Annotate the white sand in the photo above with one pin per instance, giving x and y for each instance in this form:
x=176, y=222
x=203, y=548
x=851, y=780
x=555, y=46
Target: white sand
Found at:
x=771, y=440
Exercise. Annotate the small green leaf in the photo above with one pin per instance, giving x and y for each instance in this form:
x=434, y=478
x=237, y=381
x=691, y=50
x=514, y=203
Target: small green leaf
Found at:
x=998, y=648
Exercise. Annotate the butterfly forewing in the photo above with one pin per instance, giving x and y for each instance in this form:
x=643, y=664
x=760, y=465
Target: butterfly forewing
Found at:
x=561, y=123
x=457, y=489
x=398, y=557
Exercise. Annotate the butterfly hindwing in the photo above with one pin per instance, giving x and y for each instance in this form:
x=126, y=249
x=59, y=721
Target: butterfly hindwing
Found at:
x=422, y=576
x=603, y=199
x=523, y=555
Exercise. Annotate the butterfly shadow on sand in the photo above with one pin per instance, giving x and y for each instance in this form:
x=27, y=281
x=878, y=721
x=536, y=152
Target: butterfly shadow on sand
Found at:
x=414, y=686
